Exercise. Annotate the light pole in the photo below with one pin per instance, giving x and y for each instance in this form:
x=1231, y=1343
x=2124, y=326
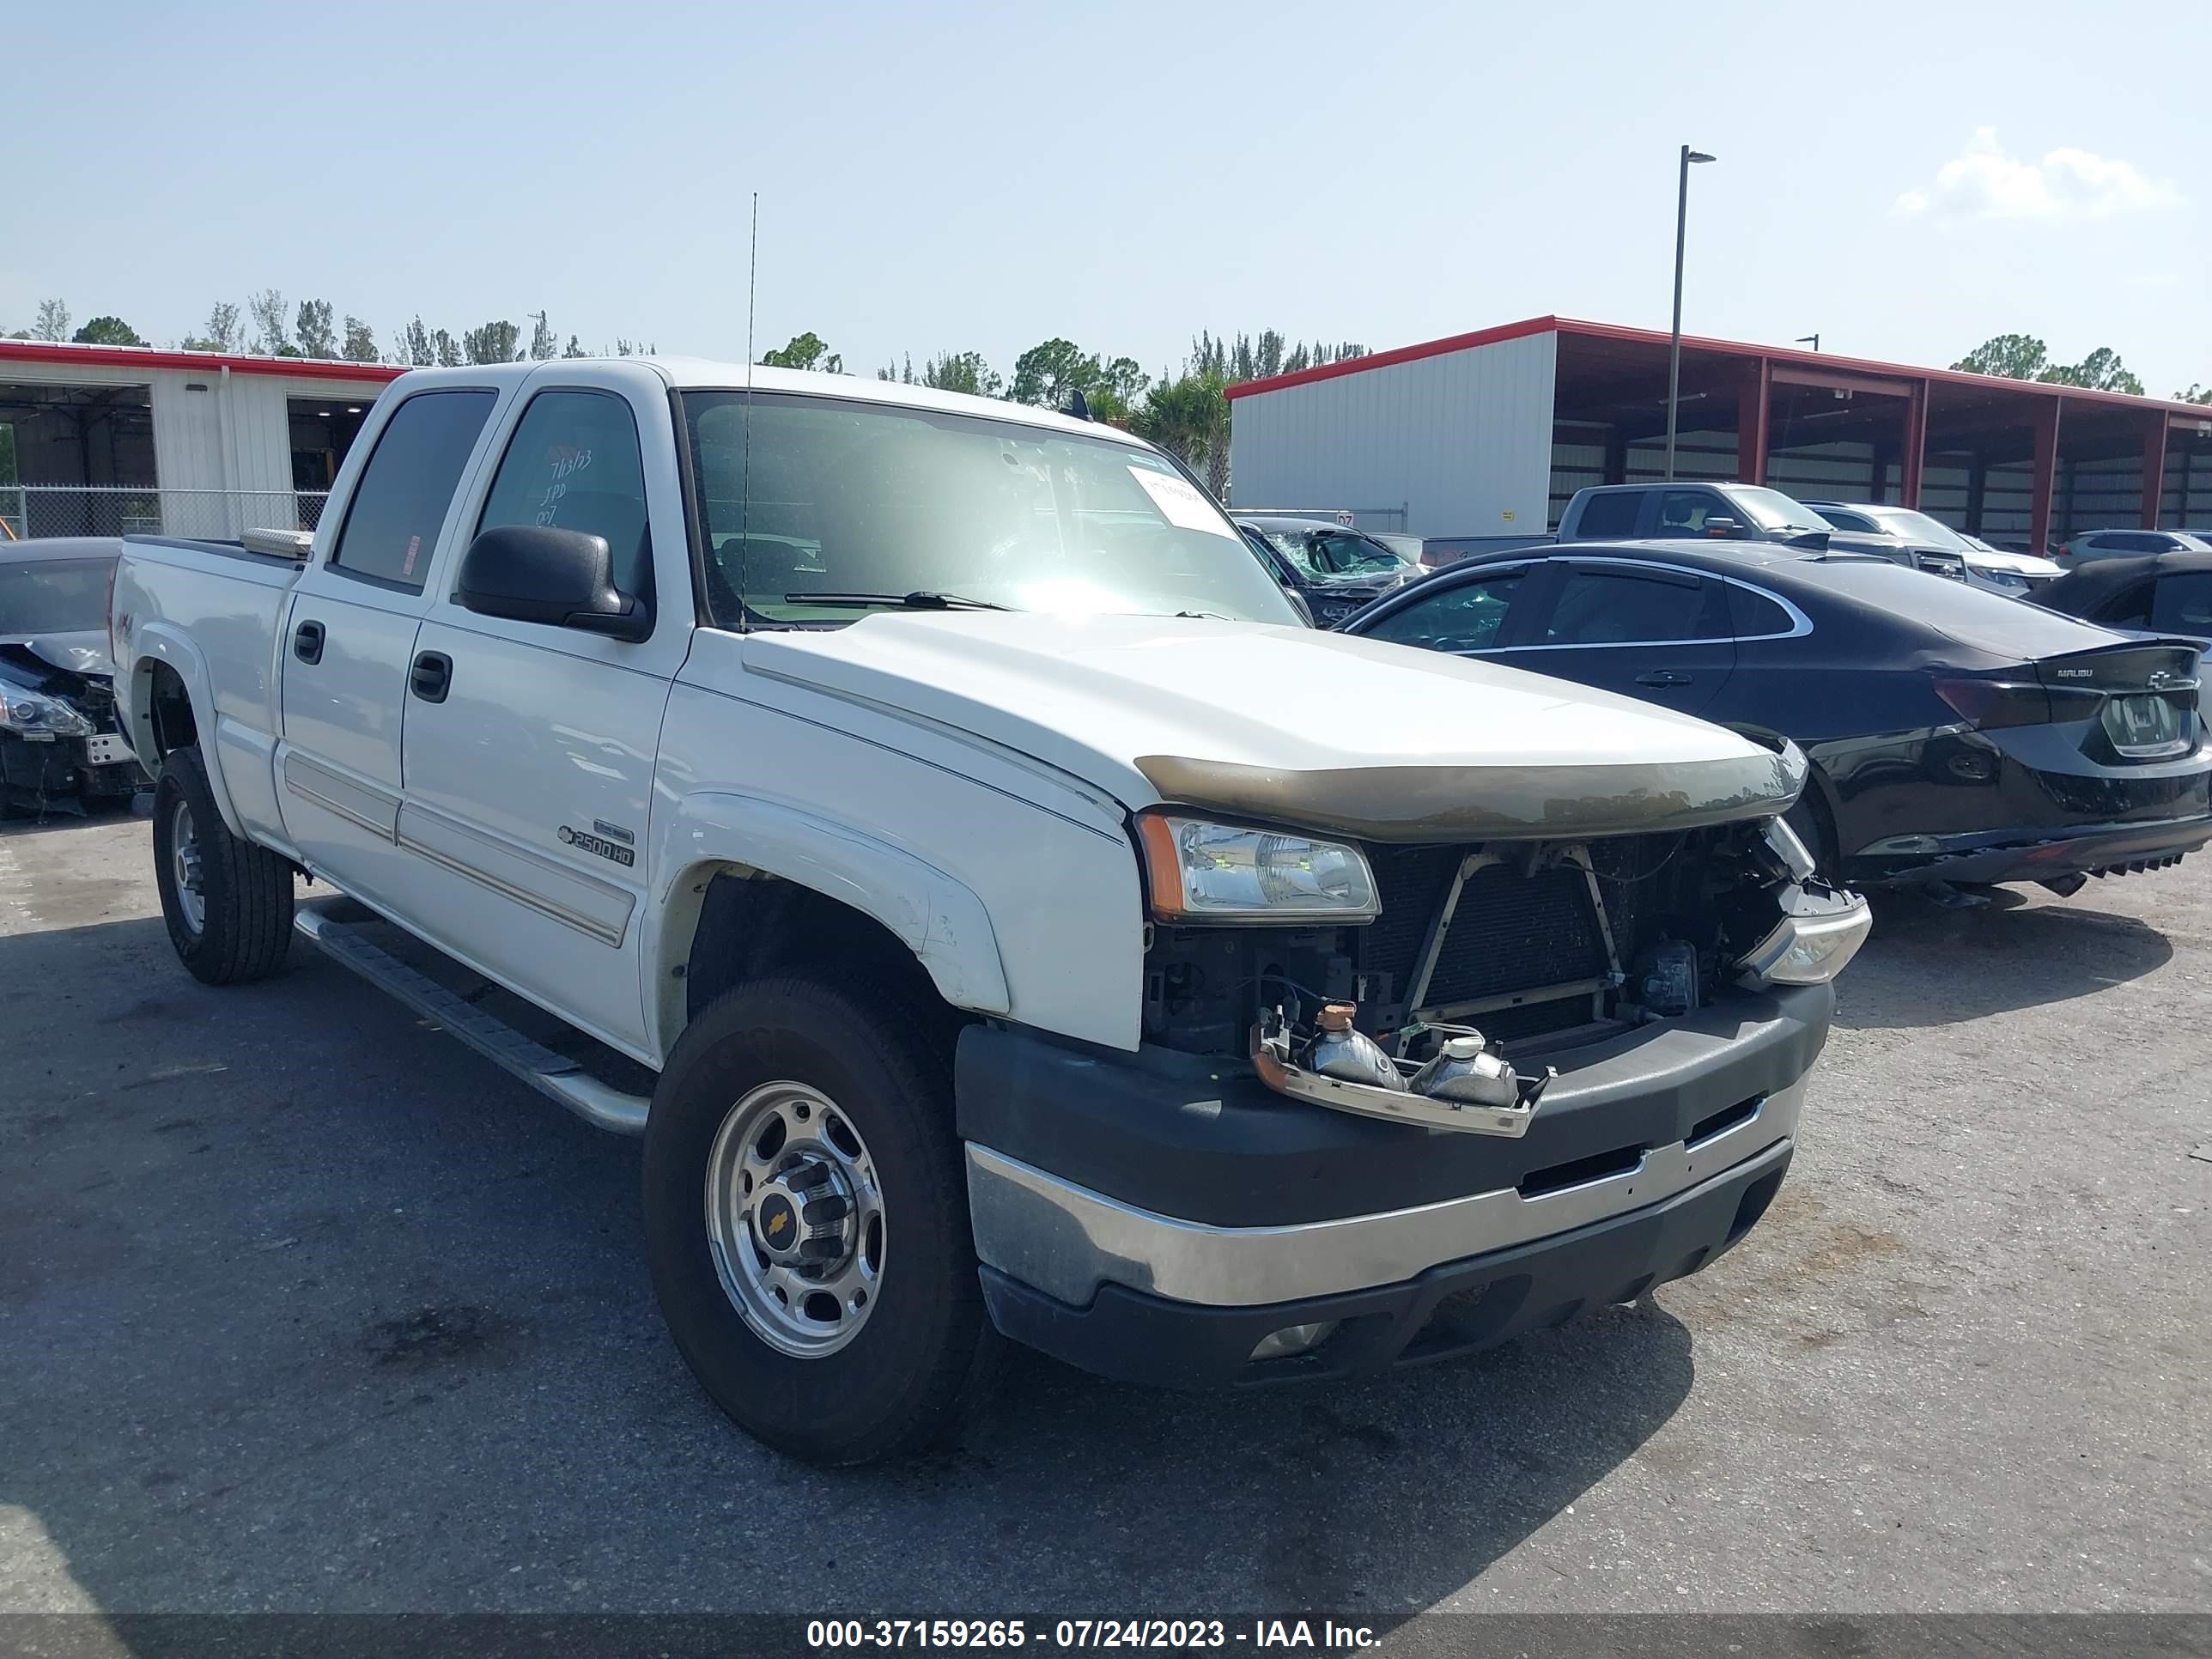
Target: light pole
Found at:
x=1674, y=341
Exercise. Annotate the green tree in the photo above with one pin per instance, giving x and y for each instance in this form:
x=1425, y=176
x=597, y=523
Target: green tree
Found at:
x=806, y=351
x=963, y=371
x=572, y=350
x=1188, y=417
x=492, y=343
x=412, y=347
x=2196, y=394
x=2100, y=371
x=544, y=343
x=2013, y=357
x=359, y=341
x=222, y=329
x=272, y=335
x=108, y=331
x=317, y=329
x=1047, y=373
x=903, y=373
x=446, y=350
x=53, y=322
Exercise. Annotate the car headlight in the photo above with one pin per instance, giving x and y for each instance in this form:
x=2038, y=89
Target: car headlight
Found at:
x=1817, y=937
x=27, y=712
x=2011, y=580
x=1201, y=871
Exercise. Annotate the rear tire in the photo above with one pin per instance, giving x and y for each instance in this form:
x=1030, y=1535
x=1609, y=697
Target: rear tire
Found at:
x=228, y=902
x=861, y=1078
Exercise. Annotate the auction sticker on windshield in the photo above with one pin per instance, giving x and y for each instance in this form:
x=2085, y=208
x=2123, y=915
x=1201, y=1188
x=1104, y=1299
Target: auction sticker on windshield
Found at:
x=1181, y=505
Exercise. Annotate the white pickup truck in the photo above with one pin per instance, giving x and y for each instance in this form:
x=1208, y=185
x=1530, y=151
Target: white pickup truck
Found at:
x=940, y=801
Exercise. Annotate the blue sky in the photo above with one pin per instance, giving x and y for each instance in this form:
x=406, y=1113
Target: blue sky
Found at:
x=1905, y=179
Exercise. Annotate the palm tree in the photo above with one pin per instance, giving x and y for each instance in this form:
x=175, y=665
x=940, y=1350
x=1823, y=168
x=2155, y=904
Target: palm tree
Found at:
x=1188, y=417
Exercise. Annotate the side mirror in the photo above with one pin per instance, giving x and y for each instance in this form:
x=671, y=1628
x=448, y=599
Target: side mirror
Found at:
x=561, y=578
x=1722, y=524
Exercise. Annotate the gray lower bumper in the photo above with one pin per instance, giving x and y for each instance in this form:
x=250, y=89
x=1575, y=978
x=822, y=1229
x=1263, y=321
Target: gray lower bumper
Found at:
x=1066, y=1241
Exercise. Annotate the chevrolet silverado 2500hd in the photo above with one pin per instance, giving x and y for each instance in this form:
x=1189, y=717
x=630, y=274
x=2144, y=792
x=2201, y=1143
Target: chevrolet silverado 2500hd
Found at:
x=938, y=798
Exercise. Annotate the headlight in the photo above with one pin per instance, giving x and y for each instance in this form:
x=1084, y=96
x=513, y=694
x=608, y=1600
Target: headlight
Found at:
x=27, y=712
x=2011, y=580
x=1201, y=871
x=1816, y=938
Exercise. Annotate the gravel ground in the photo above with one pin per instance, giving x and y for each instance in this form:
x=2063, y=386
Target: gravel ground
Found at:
x=304, y=1307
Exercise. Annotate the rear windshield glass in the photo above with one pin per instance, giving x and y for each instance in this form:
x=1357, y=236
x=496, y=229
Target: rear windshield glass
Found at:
x=1971, y=616
x=54, y=596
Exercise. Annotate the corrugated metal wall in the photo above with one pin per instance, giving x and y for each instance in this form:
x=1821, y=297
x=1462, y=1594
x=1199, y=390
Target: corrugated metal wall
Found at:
x=1463, y=440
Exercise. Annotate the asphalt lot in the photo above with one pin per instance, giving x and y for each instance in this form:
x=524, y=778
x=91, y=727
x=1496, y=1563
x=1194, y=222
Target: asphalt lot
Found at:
x=304, y=1307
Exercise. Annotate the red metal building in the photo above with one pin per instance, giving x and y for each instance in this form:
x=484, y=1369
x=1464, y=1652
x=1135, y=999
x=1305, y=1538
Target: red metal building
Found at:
x=2010, y=460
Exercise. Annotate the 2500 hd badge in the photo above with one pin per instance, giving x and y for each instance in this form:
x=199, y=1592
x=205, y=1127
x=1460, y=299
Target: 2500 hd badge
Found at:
x=590, y=843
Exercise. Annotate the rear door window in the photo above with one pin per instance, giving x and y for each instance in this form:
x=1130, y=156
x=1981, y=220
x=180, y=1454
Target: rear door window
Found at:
x=2184, y=604
x=1471, y=616
x=1610, y=515
x=399, y=505
x=575, y=463
x=1634, y=607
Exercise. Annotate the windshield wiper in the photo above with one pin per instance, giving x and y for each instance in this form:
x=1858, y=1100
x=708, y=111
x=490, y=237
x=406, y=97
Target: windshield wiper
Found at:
x=920, y=599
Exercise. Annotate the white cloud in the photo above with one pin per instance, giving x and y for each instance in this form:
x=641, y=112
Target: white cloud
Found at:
x=1983, y=182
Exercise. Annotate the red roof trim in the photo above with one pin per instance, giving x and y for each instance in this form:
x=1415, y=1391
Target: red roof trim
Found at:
x=1809, y=360
x=149, y=357
x=1400, y=354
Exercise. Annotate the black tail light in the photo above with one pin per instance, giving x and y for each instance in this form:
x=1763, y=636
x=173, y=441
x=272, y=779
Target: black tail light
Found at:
x=1984, y=703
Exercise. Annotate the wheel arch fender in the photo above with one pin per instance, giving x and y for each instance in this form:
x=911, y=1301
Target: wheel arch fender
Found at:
x=157, y=646
x=937, y=917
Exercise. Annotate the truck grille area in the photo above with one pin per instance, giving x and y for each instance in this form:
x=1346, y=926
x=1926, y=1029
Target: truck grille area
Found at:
x=1525, y=953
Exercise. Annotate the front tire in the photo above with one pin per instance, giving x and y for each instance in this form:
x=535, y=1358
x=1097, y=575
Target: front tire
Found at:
x=228, y=902
x=806, y=1219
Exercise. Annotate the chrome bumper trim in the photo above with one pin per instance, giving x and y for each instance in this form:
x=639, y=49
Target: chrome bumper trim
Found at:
x=1066, y=1240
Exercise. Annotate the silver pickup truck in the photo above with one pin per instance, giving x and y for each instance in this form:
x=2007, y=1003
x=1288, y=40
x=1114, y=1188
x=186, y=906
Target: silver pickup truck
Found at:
x=928, y=793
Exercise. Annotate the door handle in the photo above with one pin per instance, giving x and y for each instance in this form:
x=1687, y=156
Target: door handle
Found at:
x=308, y=641
x=432, y=676
x=1662, y=677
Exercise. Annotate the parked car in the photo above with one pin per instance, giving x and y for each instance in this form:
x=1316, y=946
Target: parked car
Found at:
x=2014, y=574
x=2090, y=545
x=1336, y=568
x=936, y=796
x=2159, y=592
x=1954, y=735
x=1734, y=512
x=60, y=748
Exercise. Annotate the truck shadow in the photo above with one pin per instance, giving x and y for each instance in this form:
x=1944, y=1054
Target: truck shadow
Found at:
x=310, y=1308
x=1928, y=965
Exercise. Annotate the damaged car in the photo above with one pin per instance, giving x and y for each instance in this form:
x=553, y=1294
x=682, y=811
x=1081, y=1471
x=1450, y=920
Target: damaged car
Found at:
x=60, y=748
x=1955, y=739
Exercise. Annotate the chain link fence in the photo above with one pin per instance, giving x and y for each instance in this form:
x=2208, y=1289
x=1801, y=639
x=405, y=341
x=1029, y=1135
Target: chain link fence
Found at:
x=28, y=510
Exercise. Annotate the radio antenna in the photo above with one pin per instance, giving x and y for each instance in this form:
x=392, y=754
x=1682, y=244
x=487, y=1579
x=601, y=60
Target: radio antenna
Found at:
x=745, y=497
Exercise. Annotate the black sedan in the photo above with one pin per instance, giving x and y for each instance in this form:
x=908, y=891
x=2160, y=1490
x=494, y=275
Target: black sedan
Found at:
x=1335, y=570
x=1954, y=735
x=2161, y=592
x=60, y=747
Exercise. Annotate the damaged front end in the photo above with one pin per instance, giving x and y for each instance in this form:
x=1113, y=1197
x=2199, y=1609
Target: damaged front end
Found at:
x=61, y=747
x=1452, y=974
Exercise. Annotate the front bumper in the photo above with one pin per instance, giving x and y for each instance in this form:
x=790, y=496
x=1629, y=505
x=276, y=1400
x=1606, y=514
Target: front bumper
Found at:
x=59, y=770
x=1456, y=1307
x=1156, y=1224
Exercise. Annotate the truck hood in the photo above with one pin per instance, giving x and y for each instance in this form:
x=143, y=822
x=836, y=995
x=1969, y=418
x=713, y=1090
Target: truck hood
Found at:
x=1293, y=726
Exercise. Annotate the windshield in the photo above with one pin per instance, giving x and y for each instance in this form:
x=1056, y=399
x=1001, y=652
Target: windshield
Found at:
x=1919, y=527
x=876, y=502
x=1335, y=555
x=54, y=596
x=1770, y=510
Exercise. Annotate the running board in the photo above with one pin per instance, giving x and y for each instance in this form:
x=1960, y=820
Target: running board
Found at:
x=554, y=1075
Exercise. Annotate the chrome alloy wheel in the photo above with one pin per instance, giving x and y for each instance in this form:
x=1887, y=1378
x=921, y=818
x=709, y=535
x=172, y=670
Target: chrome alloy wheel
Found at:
x=795, y=1219
x=186, y=873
